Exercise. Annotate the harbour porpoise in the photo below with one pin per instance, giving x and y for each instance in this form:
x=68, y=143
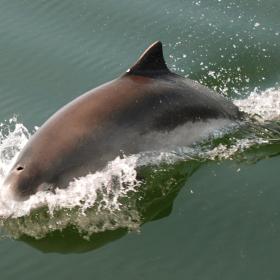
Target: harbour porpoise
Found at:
x=147, y=108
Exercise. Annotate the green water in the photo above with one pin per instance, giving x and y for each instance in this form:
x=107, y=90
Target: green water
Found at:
x=225, y=221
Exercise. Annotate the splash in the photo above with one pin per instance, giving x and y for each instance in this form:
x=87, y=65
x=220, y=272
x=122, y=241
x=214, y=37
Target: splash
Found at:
x=264, y=105
x=13, y=137
x=91, y=204
x=109, y=199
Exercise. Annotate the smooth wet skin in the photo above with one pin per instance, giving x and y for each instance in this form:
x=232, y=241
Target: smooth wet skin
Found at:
x=113, y=118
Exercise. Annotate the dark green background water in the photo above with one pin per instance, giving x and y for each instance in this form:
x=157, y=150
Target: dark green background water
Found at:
x=224, y=224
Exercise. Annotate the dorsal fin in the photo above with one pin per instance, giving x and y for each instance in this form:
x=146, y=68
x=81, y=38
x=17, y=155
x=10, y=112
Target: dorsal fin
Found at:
x=151, y=62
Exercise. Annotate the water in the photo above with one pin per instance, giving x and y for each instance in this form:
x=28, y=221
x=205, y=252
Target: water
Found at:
x=210, y=211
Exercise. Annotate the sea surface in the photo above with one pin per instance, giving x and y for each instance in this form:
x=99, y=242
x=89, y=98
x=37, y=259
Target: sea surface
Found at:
x=209, y=211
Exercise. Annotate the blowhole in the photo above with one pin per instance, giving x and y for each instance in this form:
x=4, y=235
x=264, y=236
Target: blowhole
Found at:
x=19, y=168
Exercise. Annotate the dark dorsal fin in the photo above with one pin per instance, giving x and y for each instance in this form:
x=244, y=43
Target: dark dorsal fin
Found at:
x=151, y=63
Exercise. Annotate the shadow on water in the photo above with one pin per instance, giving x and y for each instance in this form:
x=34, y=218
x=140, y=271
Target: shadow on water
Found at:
x=154, y=201
x=70, y=241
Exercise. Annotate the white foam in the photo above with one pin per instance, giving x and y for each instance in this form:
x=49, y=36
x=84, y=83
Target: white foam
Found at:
x=265, y=105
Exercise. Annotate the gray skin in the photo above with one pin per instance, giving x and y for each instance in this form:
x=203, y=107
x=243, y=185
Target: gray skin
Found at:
x=94, y=128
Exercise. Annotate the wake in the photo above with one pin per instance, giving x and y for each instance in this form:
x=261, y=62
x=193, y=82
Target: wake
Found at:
x=108, y=199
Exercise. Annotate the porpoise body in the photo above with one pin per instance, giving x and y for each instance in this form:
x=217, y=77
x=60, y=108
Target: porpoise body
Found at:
x=144, y=109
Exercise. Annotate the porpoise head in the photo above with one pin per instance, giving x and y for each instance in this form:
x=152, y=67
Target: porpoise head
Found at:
x=25, y=179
